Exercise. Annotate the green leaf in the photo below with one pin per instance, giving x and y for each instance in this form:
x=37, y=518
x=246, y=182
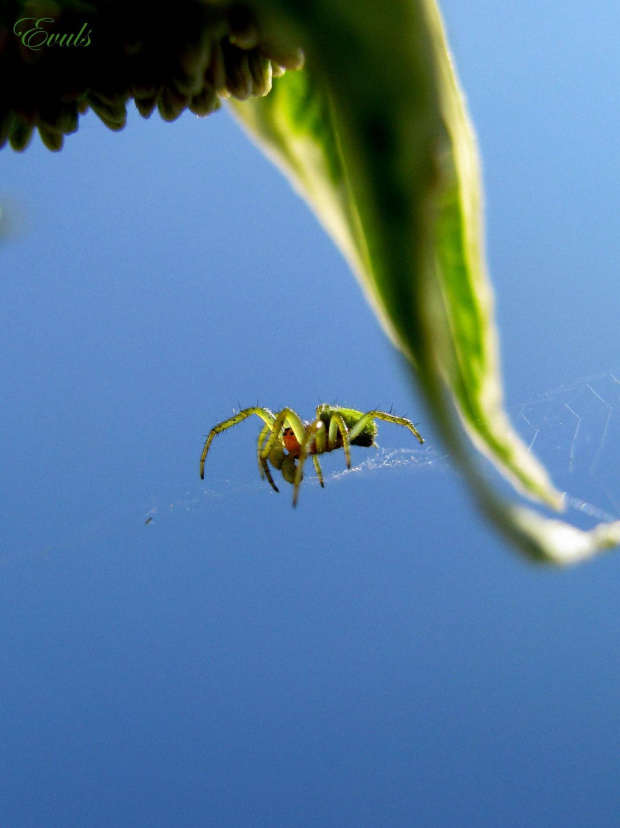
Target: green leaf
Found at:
x=375, y=135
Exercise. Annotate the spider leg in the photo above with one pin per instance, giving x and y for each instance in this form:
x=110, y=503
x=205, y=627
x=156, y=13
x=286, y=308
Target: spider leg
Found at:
x=313, y=432
x=320, y=445
x=284, y=416
x=264, y=413
x=318, y=470
x=261, y=438
x=388, y=418
x=263, y=465
x=337, y=424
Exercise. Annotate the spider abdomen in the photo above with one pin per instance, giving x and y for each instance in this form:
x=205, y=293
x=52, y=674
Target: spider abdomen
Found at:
x=350, y=416
x=365, y=438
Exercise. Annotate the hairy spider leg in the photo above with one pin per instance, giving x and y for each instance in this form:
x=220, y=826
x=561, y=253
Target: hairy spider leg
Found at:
x=261, y=439
x=263, y=465
x=389, y=418
x=286, y=415
x=337, y=424
x=318, y=470
x=315, y=432
x=264, y=413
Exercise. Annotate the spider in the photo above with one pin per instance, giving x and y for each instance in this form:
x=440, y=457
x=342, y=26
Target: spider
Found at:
x=286, y=441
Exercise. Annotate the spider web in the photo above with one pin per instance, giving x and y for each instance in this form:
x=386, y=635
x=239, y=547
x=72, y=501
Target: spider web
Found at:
x=574, y=431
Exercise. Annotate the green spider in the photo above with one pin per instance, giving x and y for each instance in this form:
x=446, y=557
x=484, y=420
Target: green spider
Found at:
x=286, y=441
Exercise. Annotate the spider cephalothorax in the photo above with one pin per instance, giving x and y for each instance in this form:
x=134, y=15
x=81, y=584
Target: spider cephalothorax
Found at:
x=286, y=441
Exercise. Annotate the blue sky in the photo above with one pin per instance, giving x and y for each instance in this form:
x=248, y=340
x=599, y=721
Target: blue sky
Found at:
x=377, y=656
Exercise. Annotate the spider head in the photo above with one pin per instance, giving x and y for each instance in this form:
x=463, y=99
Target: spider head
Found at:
x=290, y=442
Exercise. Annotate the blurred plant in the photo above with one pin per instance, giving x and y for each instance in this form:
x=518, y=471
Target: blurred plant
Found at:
x=374, y=134
x=58, y=58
